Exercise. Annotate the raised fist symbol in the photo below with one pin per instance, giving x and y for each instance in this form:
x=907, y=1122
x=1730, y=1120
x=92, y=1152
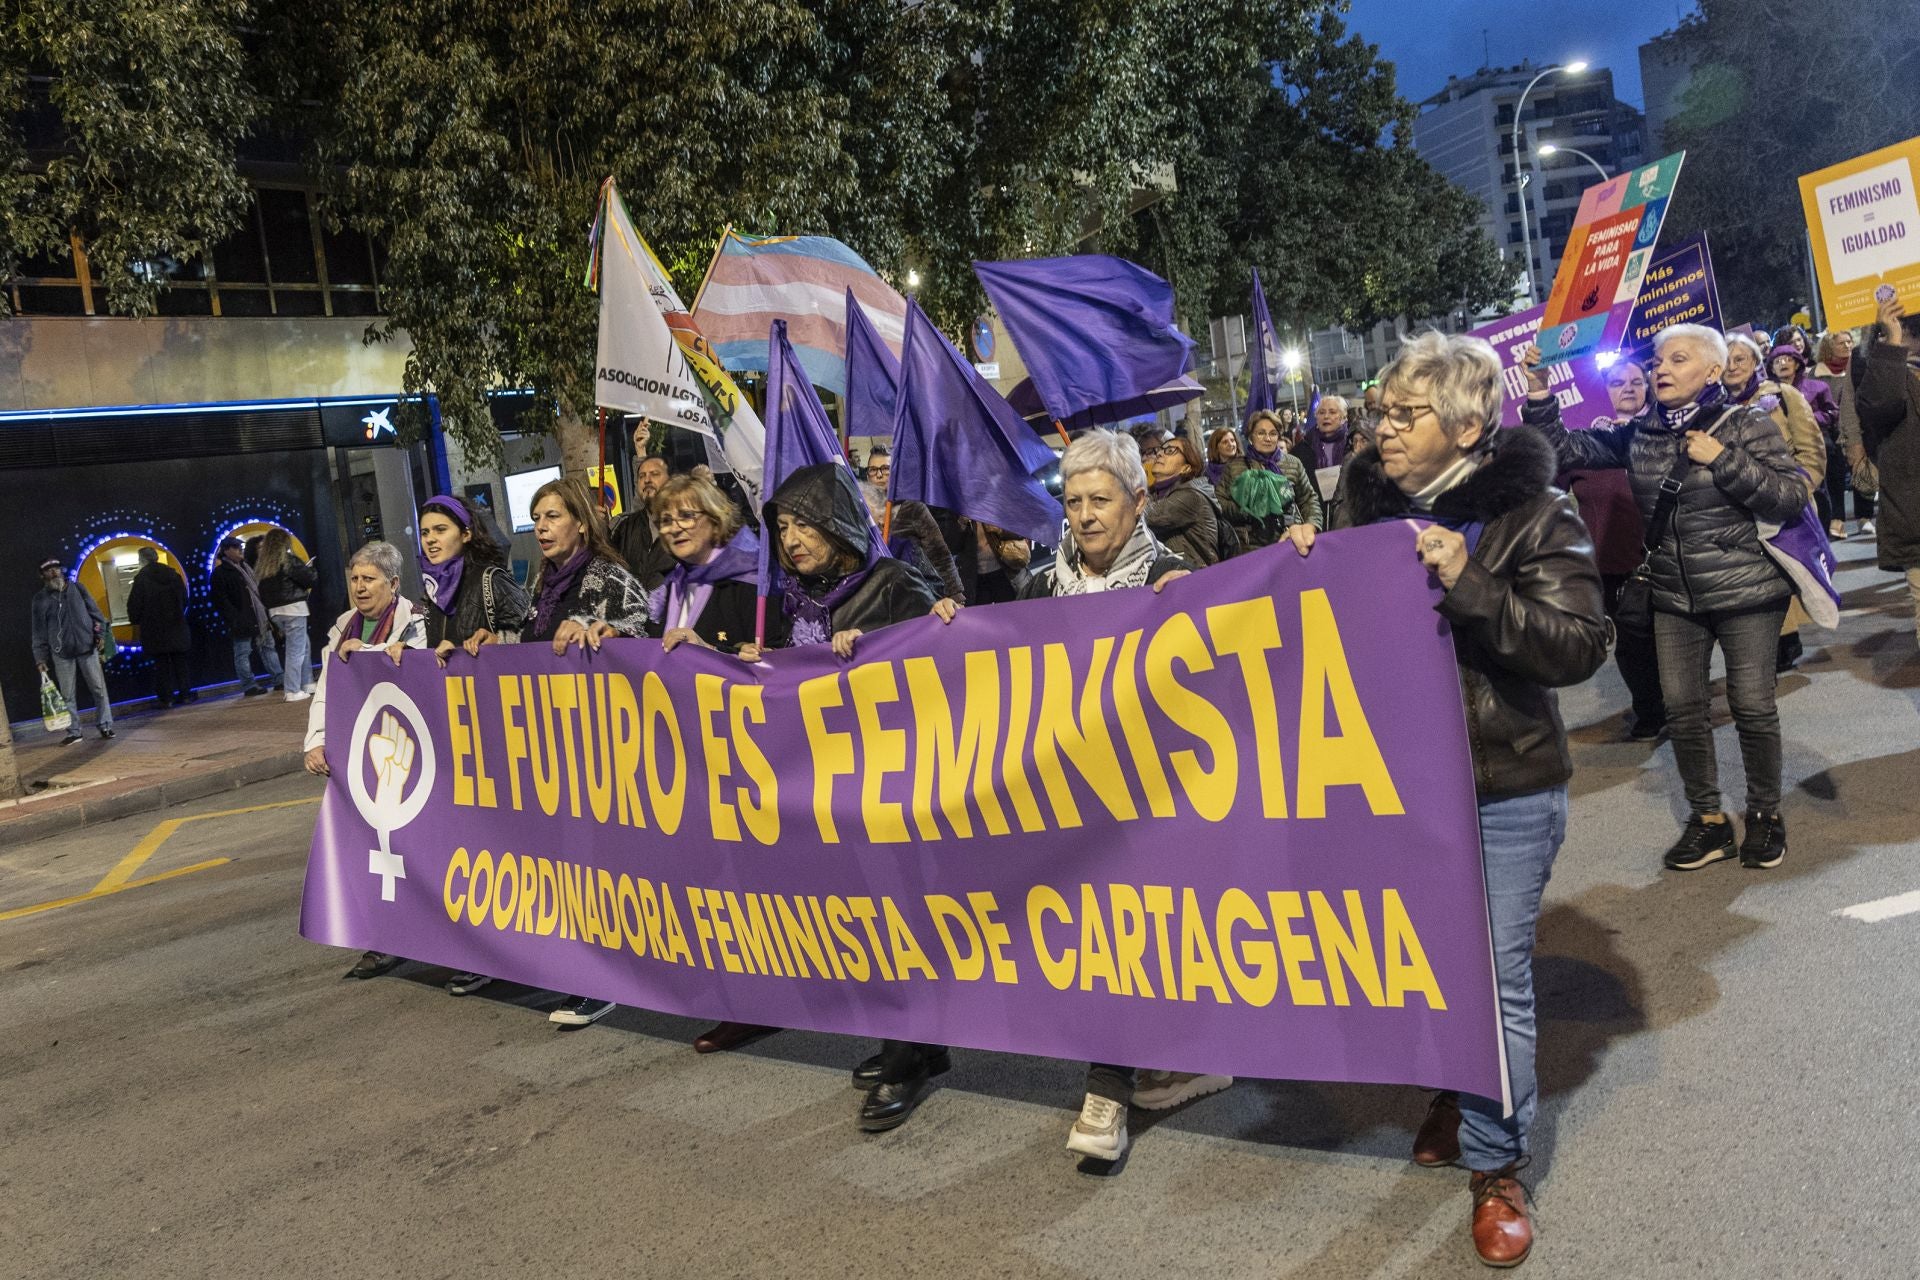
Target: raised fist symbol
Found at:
x=392, y=752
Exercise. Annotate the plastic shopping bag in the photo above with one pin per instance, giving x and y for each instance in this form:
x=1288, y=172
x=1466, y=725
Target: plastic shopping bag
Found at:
x=53, y=708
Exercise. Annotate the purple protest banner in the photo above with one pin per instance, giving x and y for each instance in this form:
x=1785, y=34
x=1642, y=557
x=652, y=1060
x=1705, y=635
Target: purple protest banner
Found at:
x=1580, y=385
x=1228, y=827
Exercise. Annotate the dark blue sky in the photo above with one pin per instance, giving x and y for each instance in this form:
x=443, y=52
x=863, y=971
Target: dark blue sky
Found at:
x=1430, y=40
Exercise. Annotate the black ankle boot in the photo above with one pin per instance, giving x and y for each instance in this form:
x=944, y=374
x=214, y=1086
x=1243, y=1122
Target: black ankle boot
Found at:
x=1766, y=842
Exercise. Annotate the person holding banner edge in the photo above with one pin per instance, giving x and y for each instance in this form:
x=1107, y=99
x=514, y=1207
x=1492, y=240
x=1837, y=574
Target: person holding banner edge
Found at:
x=380, y=618
x=1704, y=473
x=1525, y=603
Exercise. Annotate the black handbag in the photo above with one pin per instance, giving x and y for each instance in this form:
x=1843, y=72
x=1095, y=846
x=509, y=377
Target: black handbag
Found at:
x=1633, y=608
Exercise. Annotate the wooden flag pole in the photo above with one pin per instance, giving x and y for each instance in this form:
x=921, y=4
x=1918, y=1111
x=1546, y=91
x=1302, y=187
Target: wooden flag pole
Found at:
x=886, y=521
x=1061, y=428
x=712, y=262
x=601, y=484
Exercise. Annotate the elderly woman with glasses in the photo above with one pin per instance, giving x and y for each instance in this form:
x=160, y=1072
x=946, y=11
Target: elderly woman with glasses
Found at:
x=1712, y=581
x=1108, y=545
x=1522, y=595
x=1182, y=510
x=381, y=618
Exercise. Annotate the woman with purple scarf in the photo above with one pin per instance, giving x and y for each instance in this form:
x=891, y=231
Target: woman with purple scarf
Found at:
x=583, y=594
x=834, y=587
x=472, y=601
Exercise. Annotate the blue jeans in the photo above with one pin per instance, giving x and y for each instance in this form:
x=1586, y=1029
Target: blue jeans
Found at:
x=88, y=665
x=1519, y=836
x=299, y=659
x=243, y=648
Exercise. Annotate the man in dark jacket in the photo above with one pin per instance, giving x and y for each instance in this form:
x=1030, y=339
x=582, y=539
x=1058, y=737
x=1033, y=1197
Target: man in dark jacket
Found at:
x=1889, y=408
x=157, y=604
x=237, y=598
x=1524, y=600
x=67, y=630
x=635, y=537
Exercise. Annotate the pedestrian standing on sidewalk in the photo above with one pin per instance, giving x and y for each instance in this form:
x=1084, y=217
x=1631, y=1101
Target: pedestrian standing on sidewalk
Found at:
x=285, y=583
x=1704, y=472
x=157, y=604
x=1525, y=604
x=380, y=618
x=236, y=594
x=68, y=628
x=1890, y=424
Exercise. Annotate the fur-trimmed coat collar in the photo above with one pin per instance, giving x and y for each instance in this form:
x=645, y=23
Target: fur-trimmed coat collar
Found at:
x=1520, y=470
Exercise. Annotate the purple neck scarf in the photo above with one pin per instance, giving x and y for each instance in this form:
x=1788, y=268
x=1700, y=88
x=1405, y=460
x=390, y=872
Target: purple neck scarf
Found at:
x=1216, y=471
x=811, y=615
x=442, y=581
x=735, y=560
x=1161, y=488
x=555, y=582
x=1678, y=419
x=1270, y=461
x=1329, y=451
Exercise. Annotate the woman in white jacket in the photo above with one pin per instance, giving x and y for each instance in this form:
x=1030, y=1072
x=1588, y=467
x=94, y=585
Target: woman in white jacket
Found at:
x=381, y=618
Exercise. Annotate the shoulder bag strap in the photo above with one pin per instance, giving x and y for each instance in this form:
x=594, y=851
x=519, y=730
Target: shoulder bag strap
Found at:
x=1663, y=507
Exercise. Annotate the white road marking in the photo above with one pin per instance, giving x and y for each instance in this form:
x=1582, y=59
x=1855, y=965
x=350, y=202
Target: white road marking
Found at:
x=1900, y=904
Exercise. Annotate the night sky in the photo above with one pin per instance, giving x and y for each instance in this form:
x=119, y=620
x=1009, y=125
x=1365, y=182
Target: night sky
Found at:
x=1544, y=30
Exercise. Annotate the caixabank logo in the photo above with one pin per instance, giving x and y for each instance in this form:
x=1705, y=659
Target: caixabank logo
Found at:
x=391, y=751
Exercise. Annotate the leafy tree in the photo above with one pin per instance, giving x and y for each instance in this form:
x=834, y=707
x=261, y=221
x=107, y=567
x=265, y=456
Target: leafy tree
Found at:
x=148, y=100
x=1779, y=91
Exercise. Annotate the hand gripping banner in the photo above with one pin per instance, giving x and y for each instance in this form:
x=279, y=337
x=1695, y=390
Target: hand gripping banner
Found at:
x=1229, y=827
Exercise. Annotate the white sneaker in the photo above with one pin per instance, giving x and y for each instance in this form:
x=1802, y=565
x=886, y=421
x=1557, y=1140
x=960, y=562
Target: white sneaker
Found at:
x=1161, y=1090
x=298, y=695
x=1101, y=1130
x=1868, y=528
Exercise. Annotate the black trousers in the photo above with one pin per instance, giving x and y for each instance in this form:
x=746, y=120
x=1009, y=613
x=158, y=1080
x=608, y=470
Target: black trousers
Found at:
x=1638, y=661
x=170, y=681
x=903, y=1059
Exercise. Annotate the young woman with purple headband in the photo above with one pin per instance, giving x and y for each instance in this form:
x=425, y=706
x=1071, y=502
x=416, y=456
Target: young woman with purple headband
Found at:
x=472, y=600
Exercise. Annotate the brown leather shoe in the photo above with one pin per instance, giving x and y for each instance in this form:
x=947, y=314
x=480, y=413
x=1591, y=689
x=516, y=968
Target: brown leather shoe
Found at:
x=1438, y=1142
x=1502, y=1226
x=729, y=1035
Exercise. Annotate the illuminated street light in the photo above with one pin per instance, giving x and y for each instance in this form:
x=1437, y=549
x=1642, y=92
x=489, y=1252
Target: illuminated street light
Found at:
x=1519, y=178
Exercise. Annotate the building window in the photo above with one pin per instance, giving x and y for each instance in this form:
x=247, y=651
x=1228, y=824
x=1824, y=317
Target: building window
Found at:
x=289, y=234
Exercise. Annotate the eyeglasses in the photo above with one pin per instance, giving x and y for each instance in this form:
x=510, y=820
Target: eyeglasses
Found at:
x=682, y=519
x=1162, y=451
x=1401, y=417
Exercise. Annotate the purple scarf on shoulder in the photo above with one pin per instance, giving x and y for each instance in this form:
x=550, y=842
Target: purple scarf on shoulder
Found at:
x=810, y=615
x=735, y=560
x=555, y=582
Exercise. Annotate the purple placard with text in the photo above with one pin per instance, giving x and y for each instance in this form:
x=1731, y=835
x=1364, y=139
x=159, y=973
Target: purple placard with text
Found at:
x=1226, y=827
x=1580, y=384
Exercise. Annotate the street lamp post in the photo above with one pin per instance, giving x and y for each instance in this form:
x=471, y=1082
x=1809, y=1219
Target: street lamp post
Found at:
x=1519, y=181
x=1554, y=149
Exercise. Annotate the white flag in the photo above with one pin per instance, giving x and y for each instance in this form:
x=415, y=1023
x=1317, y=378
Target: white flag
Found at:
x=639, y=367
x=652, y=360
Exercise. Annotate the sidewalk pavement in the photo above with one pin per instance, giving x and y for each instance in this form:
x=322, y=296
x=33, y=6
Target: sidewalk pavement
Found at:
x=156, y=758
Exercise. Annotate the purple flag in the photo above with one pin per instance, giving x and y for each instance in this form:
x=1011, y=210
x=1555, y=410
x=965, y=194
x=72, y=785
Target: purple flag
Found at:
x=1096, y=332
x=958, y=444
x=873, y=376
x=1262, y=347
x=799, y=434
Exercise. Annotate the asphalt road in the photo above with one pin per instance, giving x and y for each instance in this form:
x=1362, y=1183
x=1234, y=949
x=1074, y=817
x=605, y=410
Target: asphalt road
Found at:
x=189, y=1089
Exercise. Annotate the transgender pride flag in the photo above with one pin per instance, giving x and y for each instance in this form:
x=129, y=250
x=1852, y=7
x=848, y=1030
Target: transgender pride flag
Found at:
x=803, y=280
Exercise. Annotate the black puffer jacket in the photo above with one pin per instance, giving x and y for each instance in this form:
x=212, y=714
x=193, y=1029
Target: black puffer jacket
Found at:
x=1711, y=559
x=1889, y=407
x=826, y=497
x=1527, y=613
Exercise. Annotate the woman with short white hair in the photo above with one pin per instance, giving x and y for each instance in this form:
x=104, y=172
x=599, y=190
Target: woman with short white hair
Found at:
x=381, y=618
x=1107, y=546
x=1710, y=579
